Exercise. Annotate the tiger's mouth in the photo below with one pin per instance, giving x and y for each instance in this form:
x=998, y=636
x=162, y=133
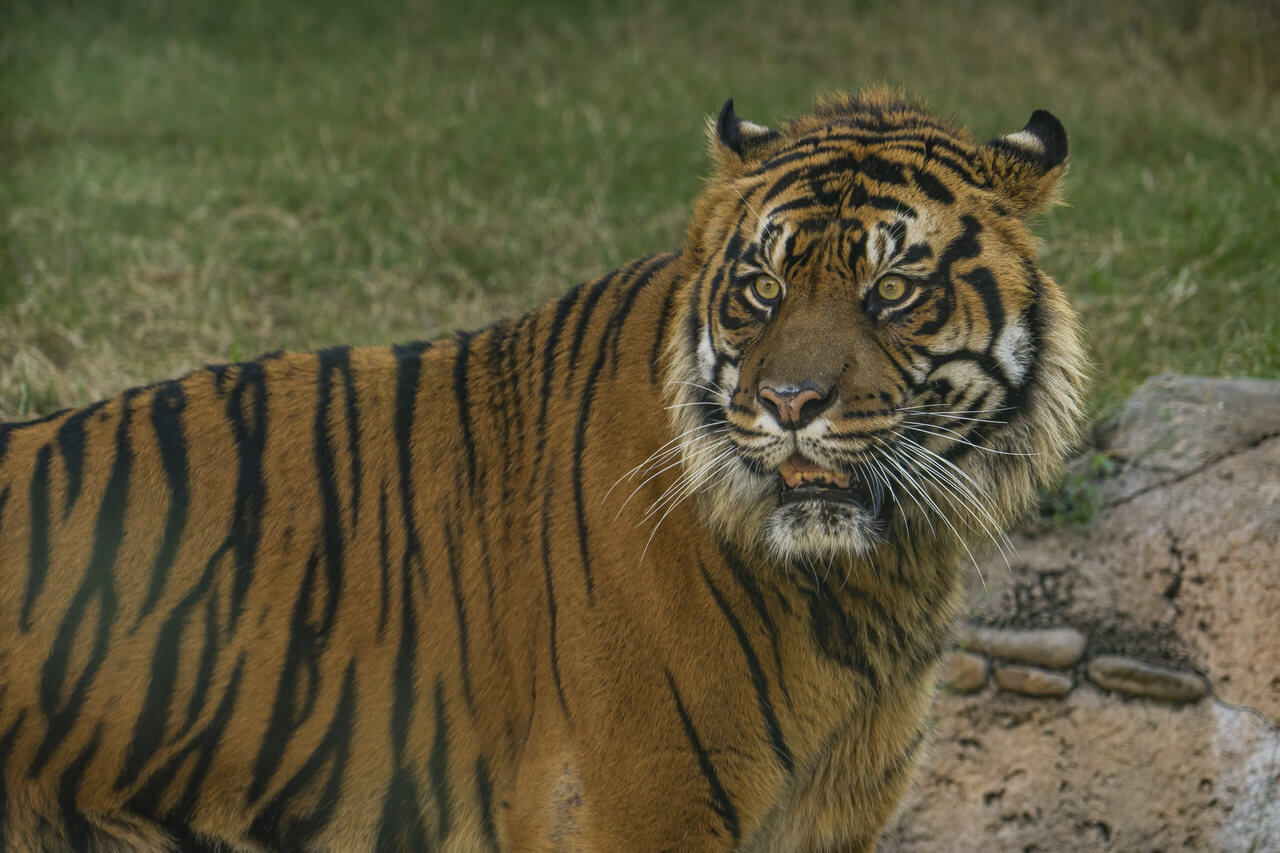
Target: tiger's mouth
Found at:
x=805, y=480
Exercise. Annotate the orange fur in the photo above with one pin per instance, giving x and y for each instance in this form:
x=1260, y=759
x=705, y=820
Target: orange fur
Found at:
x=412, y=598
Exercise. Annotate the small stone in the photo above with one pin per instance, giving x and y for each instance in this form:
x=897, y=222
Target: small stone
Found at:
x=963, y=672
x=1128, y=675
x=1032, y=681
x=1056, y=647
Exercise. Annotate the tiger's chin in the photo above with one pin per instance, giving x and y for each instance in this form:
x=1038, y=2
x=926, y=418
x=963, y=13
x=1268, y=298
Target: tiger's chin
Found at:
x=803, y=521
x=825, y=521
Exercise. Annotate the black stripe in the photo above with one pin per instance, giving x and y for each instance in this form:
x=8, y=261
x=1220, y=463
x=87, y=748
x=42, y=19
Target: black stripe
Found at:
x=932, y=187
x=330, y=360
x=660, y=333
x=984, y=284
x=203, y=746
x=280, y=823
x=80, y=833
x=403, y=694
x=551, y=596
x=167, y=405
x=460, y=611
x=6, y=749
x=722, y=274
x=247, y=415
x=720, y=801
x=484, y=793
x=563, y=307
x=401, y=827
x=915, y=252
x=896, y=362
x=656, y=263
x=98, y=585
x=408, y=372
x=501, y=406
x=758, y=680
x=747, y=581
x=353, y=432
x=204, y=668
x=438, y=767
x=902, y=761
x=595, y=290
x=150, y=728
x=838, y=635
x=384, y=562
x=70, y=438
x=516, y=372
x=461, y=394
x=298, y=686
x=579, y=446
x=38, y=552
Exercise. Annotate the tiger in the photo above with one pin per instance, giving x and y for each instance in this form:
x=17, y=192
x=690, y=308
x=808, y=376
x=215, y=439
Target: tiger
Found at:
x=666, y=563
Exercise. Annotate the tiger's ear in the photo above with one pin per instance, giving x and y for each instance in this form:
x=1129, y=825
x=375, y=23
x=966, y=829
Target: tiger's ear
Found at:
x=736, y=140
x=1025, y=166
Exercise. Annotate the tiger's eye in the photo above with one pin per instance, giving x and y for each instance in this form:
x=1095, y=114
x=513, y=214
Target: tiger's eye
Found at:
x=893, y=288
x=766, y=288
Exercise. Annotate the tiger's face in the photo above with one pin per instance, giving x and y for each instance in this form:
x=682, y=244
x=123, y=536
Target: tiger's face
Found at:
x=864, y=359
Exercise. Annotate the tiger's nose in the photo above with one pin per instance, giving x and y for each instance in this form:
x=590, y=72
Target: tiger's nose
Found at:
x=795, y=407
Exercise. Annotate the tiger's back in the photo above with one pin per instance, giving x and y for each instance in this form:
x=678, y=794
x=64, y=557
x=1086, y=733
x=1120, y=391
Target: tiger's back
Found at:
x=231, y=598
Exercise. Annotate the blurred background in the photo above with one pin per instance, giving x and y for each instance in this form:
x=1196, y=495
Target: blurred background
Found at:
x=188, y=182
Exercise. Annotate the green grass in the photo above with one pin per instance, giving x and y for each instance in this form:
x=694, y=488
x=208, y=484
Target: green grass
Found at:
x=190, y=182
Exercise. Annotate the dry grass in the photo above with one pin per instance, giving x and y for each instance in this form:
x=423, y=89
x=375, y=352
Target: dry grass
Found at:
x=189, y=184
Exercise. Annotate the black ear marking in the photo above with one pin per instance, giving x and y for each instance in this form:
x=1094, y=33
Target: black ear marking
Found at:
x=739, y=136
x=1044, y=125
x=729, y=128
x=1025, y=166
x=1042, y=140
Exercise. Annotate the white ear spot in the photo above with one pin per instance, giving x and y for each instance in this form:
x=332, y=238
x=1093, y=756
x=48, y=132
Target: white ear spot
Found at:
x=1026, y=140
x=752, y=129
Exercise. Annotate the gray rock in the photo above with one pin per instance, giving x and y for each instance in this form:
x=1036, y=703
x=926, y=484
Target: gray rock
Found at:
x=1173, y=426
x=1032, y=681
x=963, y=672
x=1137, y=678
x=1055, y=647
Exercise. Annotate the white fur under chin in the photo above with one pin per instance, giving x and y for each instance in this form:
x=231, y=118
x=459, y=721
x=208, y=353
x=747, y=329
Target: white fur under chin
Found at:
x=820, y=529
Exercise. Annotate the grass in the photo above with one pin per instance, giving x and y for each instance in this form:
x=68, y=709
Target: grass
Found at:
x=191, y=182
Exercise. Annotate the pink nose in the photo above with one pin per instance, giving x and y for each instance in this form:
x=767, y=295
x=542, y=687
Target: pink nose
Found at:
x=792, y=407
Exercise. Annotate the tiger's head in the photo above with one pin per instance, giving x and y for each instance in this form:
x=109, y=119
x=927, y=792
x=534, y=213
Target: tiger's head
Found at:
x=870, y=360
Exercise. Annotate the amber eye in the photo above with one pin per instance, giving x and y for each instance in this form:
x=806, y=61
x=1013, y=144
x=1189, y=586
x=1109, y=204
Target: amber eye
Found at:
x=766, y=288
x=893, y=288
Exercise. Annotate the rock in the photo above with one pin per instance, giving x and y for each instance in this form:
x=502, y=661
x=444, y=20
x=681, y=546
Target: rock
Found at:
x=1031, y=681
x=1136, y=678
x=1092, y=771
x=1175, y=425
x=1056, y=647
x=1178, y=571
x=1184, y=573
x=963, y=672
